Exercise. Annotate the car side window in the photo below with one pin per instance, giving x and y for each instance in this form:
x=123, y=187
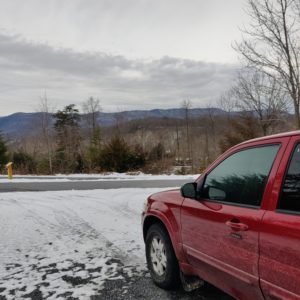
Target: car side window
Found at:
x=290, y=193
x=241, y=178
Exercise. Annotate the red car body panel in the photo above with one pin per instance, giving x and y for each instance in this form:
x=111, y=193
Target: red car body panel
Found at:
x=165, y=206
x=280, y=242
x=212, y=247
x=258, y=261
x=279, y=256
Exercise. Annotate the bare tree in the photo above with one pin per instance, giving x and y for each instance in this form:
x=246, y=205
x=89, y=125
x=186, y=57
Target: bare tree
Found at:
x=271, y=44
x=260, y=93
x=46, y=127
x=187, y=105
x=120, y=119
x=91, y=108
x=297, y=7
x=227, y=104
x=240, y=128
x=210, y=128
x=177, y=139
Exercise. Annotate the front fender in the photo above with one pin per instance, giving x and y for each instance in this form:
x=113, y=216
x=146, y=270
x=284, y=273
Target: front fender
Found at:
x=170, y=218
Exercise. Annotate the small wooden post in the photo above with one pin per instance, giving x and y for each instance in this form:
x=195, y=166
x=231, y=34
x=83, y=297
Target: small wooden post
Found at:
x=9, y=170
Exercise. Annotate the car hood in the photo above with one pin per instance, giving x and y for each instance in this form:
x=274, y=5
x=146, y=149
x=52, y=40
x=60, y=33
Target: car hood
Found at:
x=170, y=196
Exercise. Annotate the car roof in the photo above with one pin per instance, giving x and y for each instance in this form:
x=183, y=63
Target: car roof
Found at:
x=273, y=136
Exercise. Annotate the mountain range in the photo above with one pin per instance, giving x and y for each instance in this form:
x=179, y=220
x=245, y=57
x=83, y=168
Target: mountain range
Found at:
x=20, y=123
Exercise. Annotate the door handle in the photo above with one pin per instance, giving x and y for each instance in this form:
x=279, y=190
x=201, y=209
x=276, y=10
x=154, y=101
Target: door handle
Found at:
x=237, y=225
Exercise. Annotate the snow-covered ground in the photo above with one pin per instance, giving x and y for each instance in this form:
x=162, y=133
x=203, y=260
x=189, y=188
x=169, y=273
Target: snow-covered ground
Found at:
x=94, y=177
x=64, y=244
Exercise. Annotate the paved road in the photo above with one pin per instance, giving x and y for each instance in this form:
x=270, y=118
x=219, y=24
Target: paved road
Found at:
x=87, y=185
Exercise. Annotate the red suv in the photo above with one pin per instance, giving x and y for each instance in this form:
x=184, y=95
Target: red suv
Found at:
x=237, y=226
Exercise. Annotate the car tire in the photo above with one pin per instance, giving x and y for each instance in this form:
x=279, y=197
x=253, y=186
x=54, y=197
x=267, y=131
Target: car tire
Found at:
x=161, y=259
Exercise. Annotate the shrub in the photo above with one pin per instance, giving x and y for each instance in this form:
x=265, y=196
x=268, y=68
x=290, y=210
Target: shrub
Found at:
x=118, y=157
x=3, y=152
x=23, y=162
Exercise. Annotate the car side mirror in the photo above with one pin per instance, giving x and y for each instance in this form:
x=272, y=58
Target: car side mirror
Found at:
x=189, y=190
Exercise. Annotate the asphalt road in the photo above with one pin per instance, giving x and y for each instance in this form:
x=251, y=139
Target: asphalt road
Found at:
x=87, y=184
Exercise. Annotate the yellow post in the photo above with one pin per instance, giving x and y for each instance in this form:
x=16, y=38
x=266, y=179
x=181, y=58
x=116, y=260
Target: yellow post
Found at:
x=9, y=170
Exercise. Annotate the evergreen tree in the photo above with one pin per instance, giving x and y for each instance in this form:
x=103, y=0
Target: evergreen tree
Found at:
x=94, y=149
x=157, y=152
x=3, y=152
x=23, y=162
x=68, y=155
x=118, y=157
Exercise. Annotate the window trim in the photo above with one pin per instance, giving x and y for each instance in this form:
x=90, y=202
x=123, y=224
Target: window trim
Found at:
x=280, y=210
x=256, y=207
x=232, y=203
x=288, y=212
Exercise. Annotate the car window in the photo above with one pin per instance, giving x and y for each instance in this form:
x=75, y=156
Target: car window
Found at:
x=290, y=194
x=241, y=178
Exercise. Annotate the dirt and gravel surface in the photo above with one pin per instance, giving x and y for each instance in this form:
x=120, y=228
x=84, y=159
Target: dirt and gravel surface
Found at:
x=142, y=287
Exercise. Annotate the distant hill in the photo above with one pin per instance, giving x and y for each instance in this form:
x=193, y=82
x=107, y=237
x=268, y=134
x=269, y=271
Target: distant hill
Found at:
x=19, y=123
x=23, y=123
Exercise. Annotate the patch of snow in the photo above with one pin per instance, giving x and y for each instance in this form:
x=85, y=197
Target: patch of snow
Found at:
x=94, y=177
x=67, y=243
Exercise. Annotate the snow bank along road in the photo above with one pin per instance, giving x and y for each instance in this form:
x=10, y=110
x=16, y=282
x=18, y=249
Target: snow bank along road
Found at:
x=77, y=245
x=91, y=181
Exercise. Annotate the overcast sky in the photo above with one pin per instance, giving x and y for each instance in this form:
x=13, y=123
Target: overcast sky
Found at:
x=131, y=54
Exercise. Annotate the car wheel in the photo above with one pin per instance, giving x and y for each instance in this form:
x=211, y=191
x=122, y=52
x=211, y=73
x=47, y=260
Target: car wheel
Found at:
x=161, y=259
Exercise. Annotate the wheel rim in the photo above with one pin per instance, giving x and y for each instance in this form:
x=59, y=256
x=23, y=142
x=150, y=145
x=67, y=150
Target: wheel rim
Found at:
x=158, y=256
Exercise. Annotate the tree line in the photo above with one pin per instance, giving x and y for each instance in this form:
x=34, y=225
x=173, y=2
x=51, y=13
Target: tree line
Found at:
x=69, y=142
x=74, y=143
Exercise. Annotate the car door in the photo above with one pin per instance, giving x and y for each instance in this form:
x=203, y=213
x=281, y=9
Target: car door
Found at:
x=279, y=262
x=220, y=231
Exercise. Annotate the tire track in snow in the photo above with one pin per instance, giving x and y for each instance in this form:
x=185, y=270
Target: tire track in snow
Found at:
x=67, y=244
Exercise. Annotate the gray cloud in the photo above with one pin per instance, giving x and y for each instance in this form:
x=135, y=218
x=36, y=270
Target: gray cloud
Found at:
x=28, y=69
